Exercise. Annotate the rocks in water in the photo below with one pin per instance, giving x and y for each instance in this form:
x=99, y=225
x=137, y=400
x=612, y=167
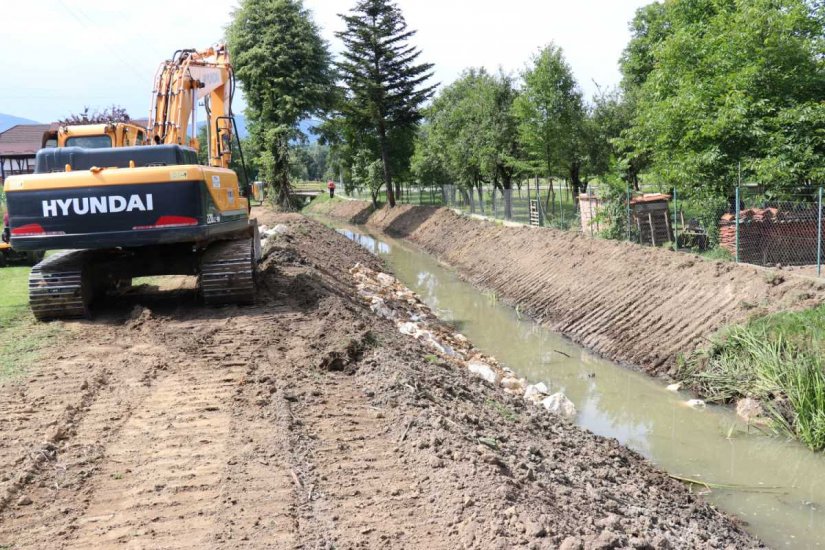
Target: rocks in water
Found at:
x=559, y=404
x=695, y=403
x=389, y=298
x=749, y=409
x=482, y=370
x=674, y=387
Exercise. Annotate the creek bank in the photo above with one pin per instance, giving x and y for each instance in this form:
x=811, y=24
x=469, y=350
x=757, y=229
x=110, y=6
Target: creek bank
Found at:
x=639, y=306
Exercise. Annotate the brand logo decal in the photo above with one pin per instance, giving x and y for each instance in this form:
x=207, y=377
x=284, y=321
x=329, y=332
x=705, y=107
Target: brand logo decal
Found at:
x=112, y=204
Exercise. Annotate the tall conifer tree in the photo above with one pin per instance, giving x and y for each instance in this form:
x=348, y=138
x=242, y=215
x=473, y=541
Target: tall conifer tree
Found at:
x=385, y=85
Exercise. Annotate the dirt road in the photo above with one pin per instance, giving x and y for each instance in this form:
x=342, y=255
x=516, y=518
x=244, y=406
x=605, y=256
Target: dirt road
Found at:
x=306, y=422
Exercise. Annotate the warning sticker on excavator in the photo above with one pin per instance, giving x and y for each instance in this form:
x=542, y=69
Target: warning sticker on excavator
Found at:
x=230, y=194
x=216, y=182
x=177, y=175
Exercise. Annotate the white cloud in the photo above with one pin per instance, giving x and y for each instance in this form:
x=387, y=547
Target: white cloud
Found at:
x=65, y=54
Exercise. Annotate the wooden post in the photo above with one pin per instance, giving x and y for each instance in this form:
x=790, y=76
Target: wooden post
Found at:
x=652, y=230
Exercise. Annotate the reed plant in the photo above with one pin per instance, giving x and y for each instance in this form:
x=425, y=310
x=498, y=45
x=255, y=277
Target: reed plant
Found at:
x=776, y=359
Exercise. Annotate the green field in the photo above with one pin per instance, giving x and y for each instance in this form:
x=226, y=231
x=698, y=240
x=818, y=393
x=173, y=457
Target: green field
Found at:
x=22, y=337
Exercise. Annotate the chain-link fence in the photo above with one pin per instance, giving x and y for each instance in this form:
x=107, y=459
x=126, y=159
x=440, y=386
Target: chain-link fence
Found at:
x=753, y=225
x=774, y=228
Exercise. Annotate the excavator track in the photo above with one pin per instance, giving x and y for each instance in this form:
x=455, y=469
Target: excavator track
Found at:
x=58, y=287
x=228, y=273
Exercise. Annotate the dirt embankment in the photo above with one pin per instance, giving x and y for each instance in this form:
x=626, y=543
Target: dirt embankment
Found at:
x=306, y=421
x=637, y=305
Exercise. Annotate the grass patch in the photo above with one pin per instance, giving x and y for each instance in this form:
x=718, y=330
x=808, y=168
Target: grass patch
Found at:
x=717, y=253
x=777, y=359
x=505, y=412
x=22, y=337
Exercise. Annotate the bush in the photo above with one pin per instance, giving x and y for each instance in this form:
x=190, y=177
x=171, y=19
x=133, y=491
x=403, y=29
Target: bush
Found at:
x=777, y=359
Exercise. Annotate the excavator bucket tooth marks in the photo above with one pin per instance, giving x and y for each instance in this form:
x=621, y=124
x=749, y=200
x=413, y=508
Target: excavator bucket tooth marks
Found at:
x=58, y=289
x=228, y=273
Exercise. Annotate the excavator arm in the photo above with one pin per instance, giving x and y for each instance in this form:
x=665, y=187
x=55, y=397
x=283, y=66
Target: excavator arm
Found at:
x=180, y=83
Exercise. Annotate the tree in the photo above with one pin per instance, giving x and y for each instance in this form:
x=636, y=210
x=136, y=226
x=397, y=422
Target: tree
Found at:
x=717, y=84
x=115, y=113
x=472, y=134
x=285, y=69
x=385, y=87
x=550, y=114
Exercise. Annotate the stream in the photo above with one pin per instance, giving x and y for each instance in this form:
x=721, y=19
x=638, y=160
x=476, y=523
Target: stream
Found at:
x=776, y=487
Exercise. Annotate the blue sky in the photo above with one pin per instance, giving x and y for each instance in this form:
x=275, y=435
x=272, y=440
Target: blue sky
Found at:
x=65, y=54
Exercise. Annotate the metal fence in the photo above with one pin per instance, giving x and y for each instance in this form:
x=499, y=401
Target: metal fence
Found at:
x=754, y=225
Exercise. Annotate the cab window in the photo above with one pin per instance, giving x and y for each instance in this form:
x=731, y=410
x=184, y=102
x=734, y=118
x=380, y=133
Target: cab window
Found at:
x=141, y=138
x=89, y=142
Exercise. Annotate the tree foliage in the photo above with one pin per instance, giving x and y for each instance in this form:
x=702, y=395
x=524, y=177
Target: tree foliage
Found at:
x=551, y=114
x=285, y=69
x=114, y=113
x=716, y=83
x=384, y=86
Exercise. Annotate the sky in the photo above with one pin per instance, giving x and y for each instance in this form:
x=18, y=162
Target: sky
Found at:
x=62, y=55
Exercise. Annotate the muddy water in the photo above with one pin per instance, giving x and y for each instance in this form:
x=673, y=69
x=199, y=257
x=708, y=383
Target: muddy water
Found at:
x=776, y=487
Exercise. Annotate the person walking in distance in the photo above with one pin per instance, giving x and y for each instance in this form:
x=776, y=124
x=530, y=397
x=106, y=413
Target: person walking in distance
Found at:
x=331, y=187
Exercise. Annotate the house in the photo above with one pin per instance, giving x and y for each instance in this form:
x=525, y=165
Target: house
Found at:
x=18, y=147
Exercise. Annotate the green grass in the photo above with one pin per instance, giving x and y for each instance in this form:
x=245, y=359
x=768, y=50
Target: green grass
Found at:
x=777, y=359
x=21, y=337
x=717, y=253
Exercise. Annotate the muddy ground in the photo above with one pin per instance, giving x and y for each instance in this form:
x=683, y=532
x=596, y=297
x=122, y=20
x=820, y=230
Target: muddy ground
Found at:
x=306, y=421
x=637, y=305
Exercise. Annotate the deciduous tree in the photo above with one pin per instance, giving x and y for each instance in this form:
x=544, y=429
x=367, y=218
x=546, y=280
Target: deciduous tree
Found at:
x=285, y=69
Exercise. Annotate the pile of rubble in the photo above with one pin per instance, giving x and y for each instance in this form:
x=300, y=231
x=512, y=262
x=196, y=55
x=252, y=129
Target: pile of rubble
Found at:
x=389, y=298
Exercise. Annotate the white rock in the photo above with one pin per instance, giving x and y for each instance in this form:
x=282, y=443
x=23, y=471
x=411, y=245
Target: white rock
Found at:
x=536, y=392
x=385, y=280
x=380, y=308
x=513, y=384
x=558, y=403
x=482, y=370
x=749, y=409
x=280, y=229
x=695, y=403
x=410, y=329
x=674, y=387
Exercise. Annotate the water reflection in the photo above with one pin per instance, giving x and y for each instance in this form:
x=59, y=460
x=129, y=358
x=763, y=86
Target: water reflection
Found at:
x=776, y=486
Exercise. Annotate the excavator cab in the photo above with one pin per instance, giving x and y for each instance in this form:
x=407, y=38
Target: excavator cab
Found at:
x=97, y=136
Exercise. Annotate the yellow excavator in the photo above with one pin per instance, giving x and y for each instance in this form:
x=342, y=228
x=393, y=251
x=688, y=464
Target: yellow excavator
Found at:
x=143, y=210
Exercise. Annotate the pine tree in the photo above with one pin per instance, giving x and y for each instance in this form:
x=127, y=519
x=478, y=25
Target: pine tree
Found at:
x=385, y=86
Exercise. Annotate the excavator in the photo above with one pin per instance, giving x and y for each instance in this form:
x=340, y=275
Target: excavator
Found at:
x=120, y=212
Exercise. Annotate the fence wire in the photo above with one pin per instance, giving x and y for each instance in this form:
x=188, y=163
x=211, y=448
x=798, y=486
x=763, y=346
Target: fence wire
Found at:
x=755, y=227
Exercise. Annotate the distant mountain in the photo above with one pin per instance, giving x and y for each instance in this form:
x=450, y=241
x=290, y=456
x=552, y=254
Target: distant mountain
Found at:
x=7, y=121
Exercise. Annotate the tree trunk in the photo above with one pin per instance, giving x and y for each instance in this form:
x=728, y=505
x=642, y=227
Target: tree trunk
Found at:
x=575, y=181
x=281, y=173
x=385, y=161
x=480, y=198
